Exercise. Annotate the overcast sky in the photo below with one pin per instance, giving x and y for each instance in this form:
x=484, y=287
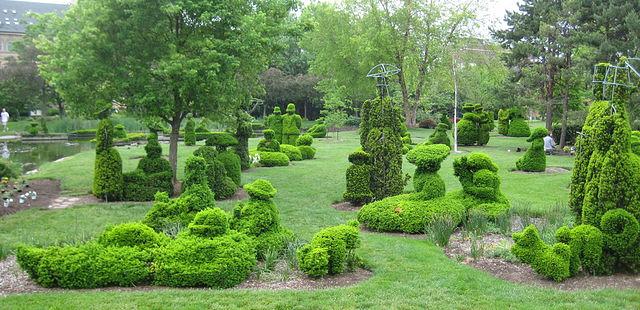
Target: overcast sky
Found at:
x=492, y=11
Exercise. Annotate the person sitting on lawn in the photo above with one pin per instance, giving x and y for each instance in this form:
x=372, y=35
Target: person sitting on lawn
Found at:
x=549, y=144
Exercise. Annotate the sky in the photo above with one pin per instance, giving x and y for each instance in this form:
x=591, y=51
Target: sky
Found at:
x=491, y=11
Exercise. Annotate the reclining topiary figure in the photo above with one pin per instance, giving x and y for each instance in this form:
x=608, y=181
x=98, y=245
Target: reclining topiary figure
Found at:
x=221, y=184
x=318, y=130
x=439, y=136
x=358, y=179
x=259, y=217
x=291, y=124
x=274, y=122
x=331, y=251
x=534, y=160
x=269, y=143
x=426, y=181
x=553, y=262
x=304, y=145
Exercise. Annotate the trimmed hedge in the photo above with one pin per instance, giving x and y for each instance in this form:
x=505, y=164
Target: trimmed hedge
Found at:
x=209, y=223
x=329, y=250
x=620, y=230
x=244, y=131
x=519, y=128
x=292, y=152
x=143, y=187
x=221, y=140
x=132, y=235
x=358, y=179
x=535, y=159
x=223, y=186
x=273, y=159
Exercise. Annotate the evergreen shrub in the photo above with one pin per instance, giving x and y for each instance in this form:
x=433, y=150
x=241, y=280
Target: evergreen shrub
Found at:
x=273, y=159
x=358, y=179
x=292, y=152
x=329, y=250
x=535, y=159
x=190, y=132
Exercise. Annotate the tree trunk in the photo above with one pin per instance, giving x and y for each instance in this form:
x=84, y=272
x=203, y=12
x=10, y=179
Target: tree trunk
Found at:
x=406, y=107
x=61, y=110
x=305, y=110
x=549, y=114
x=173, y=151
x=549, y=99
x=565, y=103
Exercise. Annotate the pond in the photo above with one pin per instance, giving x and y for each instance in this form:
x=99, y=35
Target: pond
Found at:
x=33, y=154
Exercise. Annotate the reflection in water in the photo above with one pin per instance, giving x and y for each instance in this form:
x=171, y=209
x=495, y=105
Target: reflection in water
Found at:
x=32, y=155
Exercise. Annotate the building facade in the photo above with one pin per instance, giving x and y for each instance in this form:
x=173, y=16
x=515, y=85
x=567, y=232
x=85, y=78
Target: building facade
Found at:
x=14, y=20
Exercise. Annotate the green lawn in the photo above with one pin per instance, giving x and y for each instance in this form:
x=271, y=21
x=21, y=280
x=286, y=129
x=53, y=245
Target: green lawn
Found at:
x=408, y=273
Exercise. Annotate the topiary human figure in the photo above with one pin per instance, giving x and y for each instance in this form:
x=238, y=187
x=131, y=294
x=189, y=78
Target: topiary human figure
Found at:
x=291, y=124
x=358, y=179
x=153, y=162
x=190, y=132
x=231, y=160
x=534, y=160
x=259, y=217
x=243, y=133
x=269, y=144
x=119, y=131
x=467, y=126
x=274, y=122
x=381, y=137
x=440, y=136
x=304, y=145
x=107, y=179
x=485, y=124
x=217, y=178
x=152, y=175
x=503, y=122
x=426, y=181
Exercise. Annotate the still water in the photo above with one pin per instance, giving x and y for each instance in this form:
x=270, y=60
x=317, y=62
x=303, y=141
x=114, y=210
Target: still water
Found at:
x=33, y=154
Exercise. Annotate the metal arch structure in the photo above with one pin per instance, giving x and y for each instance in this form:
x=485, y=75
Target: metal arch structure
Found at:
x=381, y=72
x=611, y=74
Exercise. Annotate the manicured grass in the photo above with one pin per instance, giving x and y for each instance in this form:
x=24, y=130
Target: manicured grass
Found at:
x=408, y=273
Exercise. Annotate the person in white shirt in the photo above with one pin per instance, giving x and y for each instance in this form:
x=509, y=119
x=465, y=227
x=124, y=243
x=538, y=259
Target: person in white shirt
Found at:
x=4, y=117
x=549, y=144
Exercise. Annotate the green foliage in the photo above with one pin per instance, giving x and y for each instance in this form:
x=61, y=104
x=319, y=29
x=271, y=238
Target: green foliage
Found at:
x=467, y=133
x=519, y=128
x=554, y=263
x=108, y=181
x=292, y=152
x=528, y=246
x=255, y=217
x=8, y=169
x=478, y=176
x=380, y=136
x=216, y=173
x=232, y=165
x=440, y=136
x=426, y=180
x=586, y=244
x=221, y=140
x=338, y=243
x=143, y=187
x=291, y=124
x=190, y=132
x=220, y=262
x=243, y=133
x=503, y=122
x=104, y=135
x=119, y=132
x=260, y=189
x=534, y=159
x=86, y=266
x=620, y=229
x=209, y=223
x=269, y=144
x=318, y=130
x=475, y=125
x=131, y=235
x=304, y=140
x=307, y=152
x=274, y=122
x=273, y=159
x=358, y=179
x=195, y=172
x=153, y=162
x=409, y=213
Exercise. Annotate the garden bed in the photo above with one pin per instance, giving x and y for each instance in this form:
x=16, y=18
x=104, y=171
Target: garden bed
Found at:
x=47, y=191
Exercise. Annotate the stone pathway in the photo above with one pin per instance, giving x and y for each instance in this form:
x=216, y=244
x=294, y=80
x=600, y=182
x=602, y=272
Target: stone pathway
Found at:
x=63, y=202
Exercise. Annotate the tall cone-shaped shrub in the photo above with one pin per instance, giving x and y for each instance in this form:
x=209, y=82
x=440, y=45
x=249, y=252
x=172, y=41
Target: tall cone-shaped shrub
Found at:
x=381, y=138
x=107, y=177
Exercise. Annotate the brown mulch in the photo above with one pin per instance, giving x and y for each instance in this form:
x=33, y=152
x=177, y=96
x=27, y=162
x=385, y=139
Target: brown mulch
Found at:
x=47, y=190
x=346, y=206
x=549, y=170
x=459, y=248
x=16, y=281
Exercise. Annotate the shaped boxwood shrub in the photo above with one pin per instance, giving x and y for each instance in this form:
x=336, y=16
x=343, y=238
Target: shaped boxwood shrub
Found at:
x=535, y=159
x=620, y=230
x=274, y=122
x=232, y=165
x=221, y=140
x=307, y=152
x=132, y=235
x=153, y=162
x=291, y=124
x=107, y=178
x=217, y=178
x=119, y=132
x=269, y=144
x=519, y=128
x=190, y=132
x=244, y=131
x=305, y=139
x=273, y=159
x=220, y=262
x=426, y=180
x=318, y=130
x=209, y=223
x=440, y=136
x=153, y=175
x=358, y=179
x=292, y=152
x=553, y=262
x=328, y=251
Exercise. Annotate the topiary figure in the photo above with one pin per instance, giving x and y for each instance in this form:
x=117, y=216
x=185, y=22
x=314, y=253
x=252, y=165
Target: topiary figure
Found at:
x=358, y=179
x=243, y=133
x=195, y=172
x=503, y=122
x=440, y=136
x=153, y=162
x=551, y=262
x=190, y=132
x=119, y=132
x=291, y=124
x=108, y=182
x=318, y=130
x=620, y=230
x=269, y=144
x=230, y=160
x=274, y=122
x=304, y=145
x=223, y=186
x=273, y=159
x=291, y=151
x=209, y=223
x=380, y=136
x=330, y=250
x=534, y=160
x=478, y=175
x=518, y=127
x=131, y=235
x=259, y=217
x=587, y=244
x=152, y=175
x=426, y=180
x=467, y=130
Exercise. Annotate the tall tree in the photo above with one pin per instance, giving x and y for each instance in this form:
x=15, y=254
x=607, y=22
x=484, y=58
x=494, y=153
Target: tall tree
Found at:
x=164, y=58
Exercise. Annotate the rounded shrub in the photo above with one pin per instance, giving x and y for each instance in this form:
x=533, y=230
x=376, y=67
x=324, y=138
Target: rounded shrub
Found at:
x=587, y=243
x=255, y=217
x=308, y=152
x=620, y=230
x=519, y=128
x=338, y=241
x=314, y=262
x=292, y=152
x=305, y=139
x=209, y=223
x=131, y=234
x=108, y=182
x=260, y=189
x=273, y=159
x=528, y=246
x=190, y=132
x=221, y=140
x=426, y=180
x=232, y=165
x=554, y=263
x=220, y=262
x=467, y=132
x=318, y=130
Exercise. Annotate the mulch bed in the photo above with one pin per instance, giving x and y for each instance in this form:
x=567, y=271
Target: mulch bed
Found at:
x=47, y=190
x=346, y=206
x=16, y=281
x=459, y=248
